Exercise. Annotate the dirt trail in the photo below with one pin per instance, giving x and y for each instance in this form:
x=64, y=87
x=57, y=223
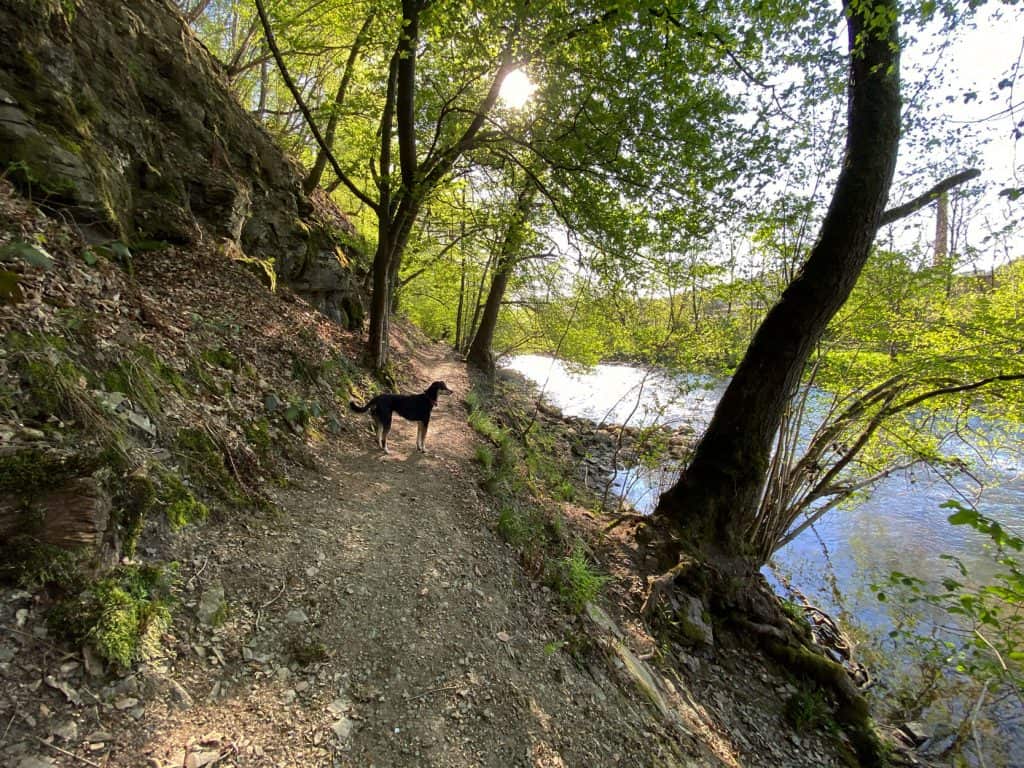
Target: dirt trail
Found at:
x=424, y=642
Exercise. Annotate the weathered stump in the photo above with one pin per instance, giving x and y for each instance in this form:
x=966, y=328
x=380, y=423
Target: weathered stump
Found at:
x=48, y=502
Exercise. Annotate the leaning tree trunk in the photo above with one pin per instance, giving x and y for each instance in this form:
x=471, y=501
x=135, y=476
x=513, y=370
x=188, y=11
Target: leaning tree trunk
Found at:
x=480, y=353
x=713, y=505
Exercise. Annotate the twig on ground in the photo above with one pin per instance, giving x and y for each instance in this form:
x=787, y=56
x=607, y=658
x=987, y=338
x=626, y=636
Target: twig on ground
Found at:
x=442, y=689
x=65, y=752
x=196, y=575
x=273, y=600
x=7, y=729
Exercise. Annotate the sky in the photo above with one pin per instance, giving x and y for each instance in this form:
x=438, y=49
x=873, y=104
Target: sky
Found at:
x=975, y=62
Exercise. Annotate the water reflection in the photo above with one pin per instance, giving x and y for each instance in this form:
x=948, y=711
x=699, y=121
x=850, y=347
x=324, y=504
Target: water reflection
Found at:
x=899, y=526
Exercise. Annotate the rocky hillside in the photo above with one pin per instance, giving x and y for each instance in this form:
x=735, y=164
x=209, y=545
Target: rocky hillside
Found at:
x=114, y=113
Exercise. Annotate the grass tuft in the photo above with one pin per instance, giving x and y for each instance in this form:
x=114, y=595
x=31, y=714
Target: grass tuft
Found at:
x=575, y=579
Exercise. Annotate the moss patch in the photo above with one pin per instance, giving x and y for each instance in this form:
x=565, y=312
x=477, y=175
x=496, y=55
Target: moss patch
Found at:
x=179, y=503
x=122, y=616
x=202, y=461
x=30, y=469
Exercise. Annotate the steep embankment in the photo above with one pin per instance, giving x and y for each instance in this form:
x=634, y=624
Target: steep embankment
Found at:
x=283, y=594
x=114, y=113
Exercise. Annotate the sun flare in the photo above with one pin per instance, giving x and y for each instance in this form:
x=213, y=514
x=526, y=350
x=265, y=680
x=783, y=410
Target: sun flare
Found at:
x=516, y=89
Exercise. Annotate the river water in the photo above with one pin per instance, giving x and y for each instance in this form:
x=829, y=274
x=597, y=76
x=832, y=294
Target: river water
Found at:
x=900, y=526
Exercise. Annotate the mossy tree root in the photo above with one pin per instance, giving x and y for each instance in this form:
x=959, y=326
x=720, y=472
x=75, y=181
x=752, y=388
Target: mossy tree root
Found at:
x=852, y=713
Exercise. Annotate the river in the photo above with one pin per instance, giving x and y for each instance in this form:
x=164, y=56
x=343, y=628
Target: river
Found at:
x=900, y=526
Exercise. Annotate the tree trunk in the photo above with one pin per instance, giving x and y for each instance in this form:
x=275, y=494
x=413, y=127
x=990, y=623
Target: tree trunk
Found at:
x=74, y=515
x=462, y=300
x=941, y=231
x=714, y=503
x=261, y=107
x=480, y=350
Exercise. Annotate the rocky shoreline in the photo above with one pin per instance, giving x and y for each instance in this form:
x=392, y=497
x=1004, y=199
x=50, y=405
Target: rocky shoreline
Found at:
x=600, y=450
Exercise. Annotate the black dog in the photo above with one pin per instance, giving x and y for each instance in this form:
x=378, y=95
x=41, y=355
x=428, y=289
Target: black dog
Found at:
x=412, y=407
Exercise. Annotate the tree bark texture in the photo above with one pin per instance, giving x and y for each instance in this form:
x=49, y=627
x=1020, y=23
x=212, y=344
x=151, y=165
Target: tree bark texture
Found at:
x=714, y=503
x=74, y=515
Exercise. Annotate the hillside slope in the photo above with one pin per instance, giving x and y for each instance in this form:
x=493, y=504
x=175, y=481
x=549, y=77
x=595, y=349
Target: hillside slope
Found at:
x=204, y=559
x=117, y=115
x=337, y=607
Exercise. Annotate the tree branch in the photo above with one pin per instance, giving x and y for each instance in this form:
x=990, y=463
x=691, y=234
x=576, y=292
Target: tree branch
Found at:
x=312, y=180
x=405, y=117
x=901, y=211
x=272, y=44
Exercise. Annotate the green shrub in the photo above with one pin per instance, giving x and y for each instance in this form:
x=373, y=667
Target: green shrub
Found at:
x=807, y=710
x=574, y=579
x=518, y=528
x=484, y=457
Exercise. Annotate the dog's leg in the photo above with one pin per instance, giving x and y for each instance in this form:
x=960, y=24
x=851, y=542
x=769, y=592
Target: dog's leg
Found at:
x=421, y=436
x=377, y=431
x=385, y=427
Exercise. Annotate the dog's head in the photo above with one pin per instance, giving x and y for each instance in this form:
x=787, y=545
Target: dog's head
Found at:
x=435, y=388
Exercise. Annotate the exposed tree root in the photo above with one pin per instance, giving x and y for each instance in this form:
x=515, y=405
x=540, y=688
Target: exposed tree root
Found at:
x=853, y=713
x=742, y=597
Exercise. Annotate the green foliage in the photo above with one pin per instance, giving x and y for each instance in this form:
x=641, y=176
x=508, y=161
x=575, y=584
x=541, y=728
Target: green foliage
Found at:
x=258, y=434
x=523, y=528
x=31, y=564
x=985, y=627
x=203, y=462
x=221, y=357
x=484, y=426
x=306, y=651
x=178, y=502
x=135, y=376
x=575, y=579
x=793, y=611
x=484, y=457
x=807, y=710
x=299, y=413
x=122, y=615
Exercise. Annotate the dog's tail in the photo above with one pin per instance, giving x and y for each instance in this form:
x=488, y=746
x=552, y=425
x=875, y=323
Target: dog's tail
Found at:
x=362, y=408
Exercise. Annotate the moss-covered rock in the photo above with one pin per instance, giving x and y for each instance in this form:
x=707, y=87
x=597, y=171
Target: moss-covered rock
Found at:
x=115, y=110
